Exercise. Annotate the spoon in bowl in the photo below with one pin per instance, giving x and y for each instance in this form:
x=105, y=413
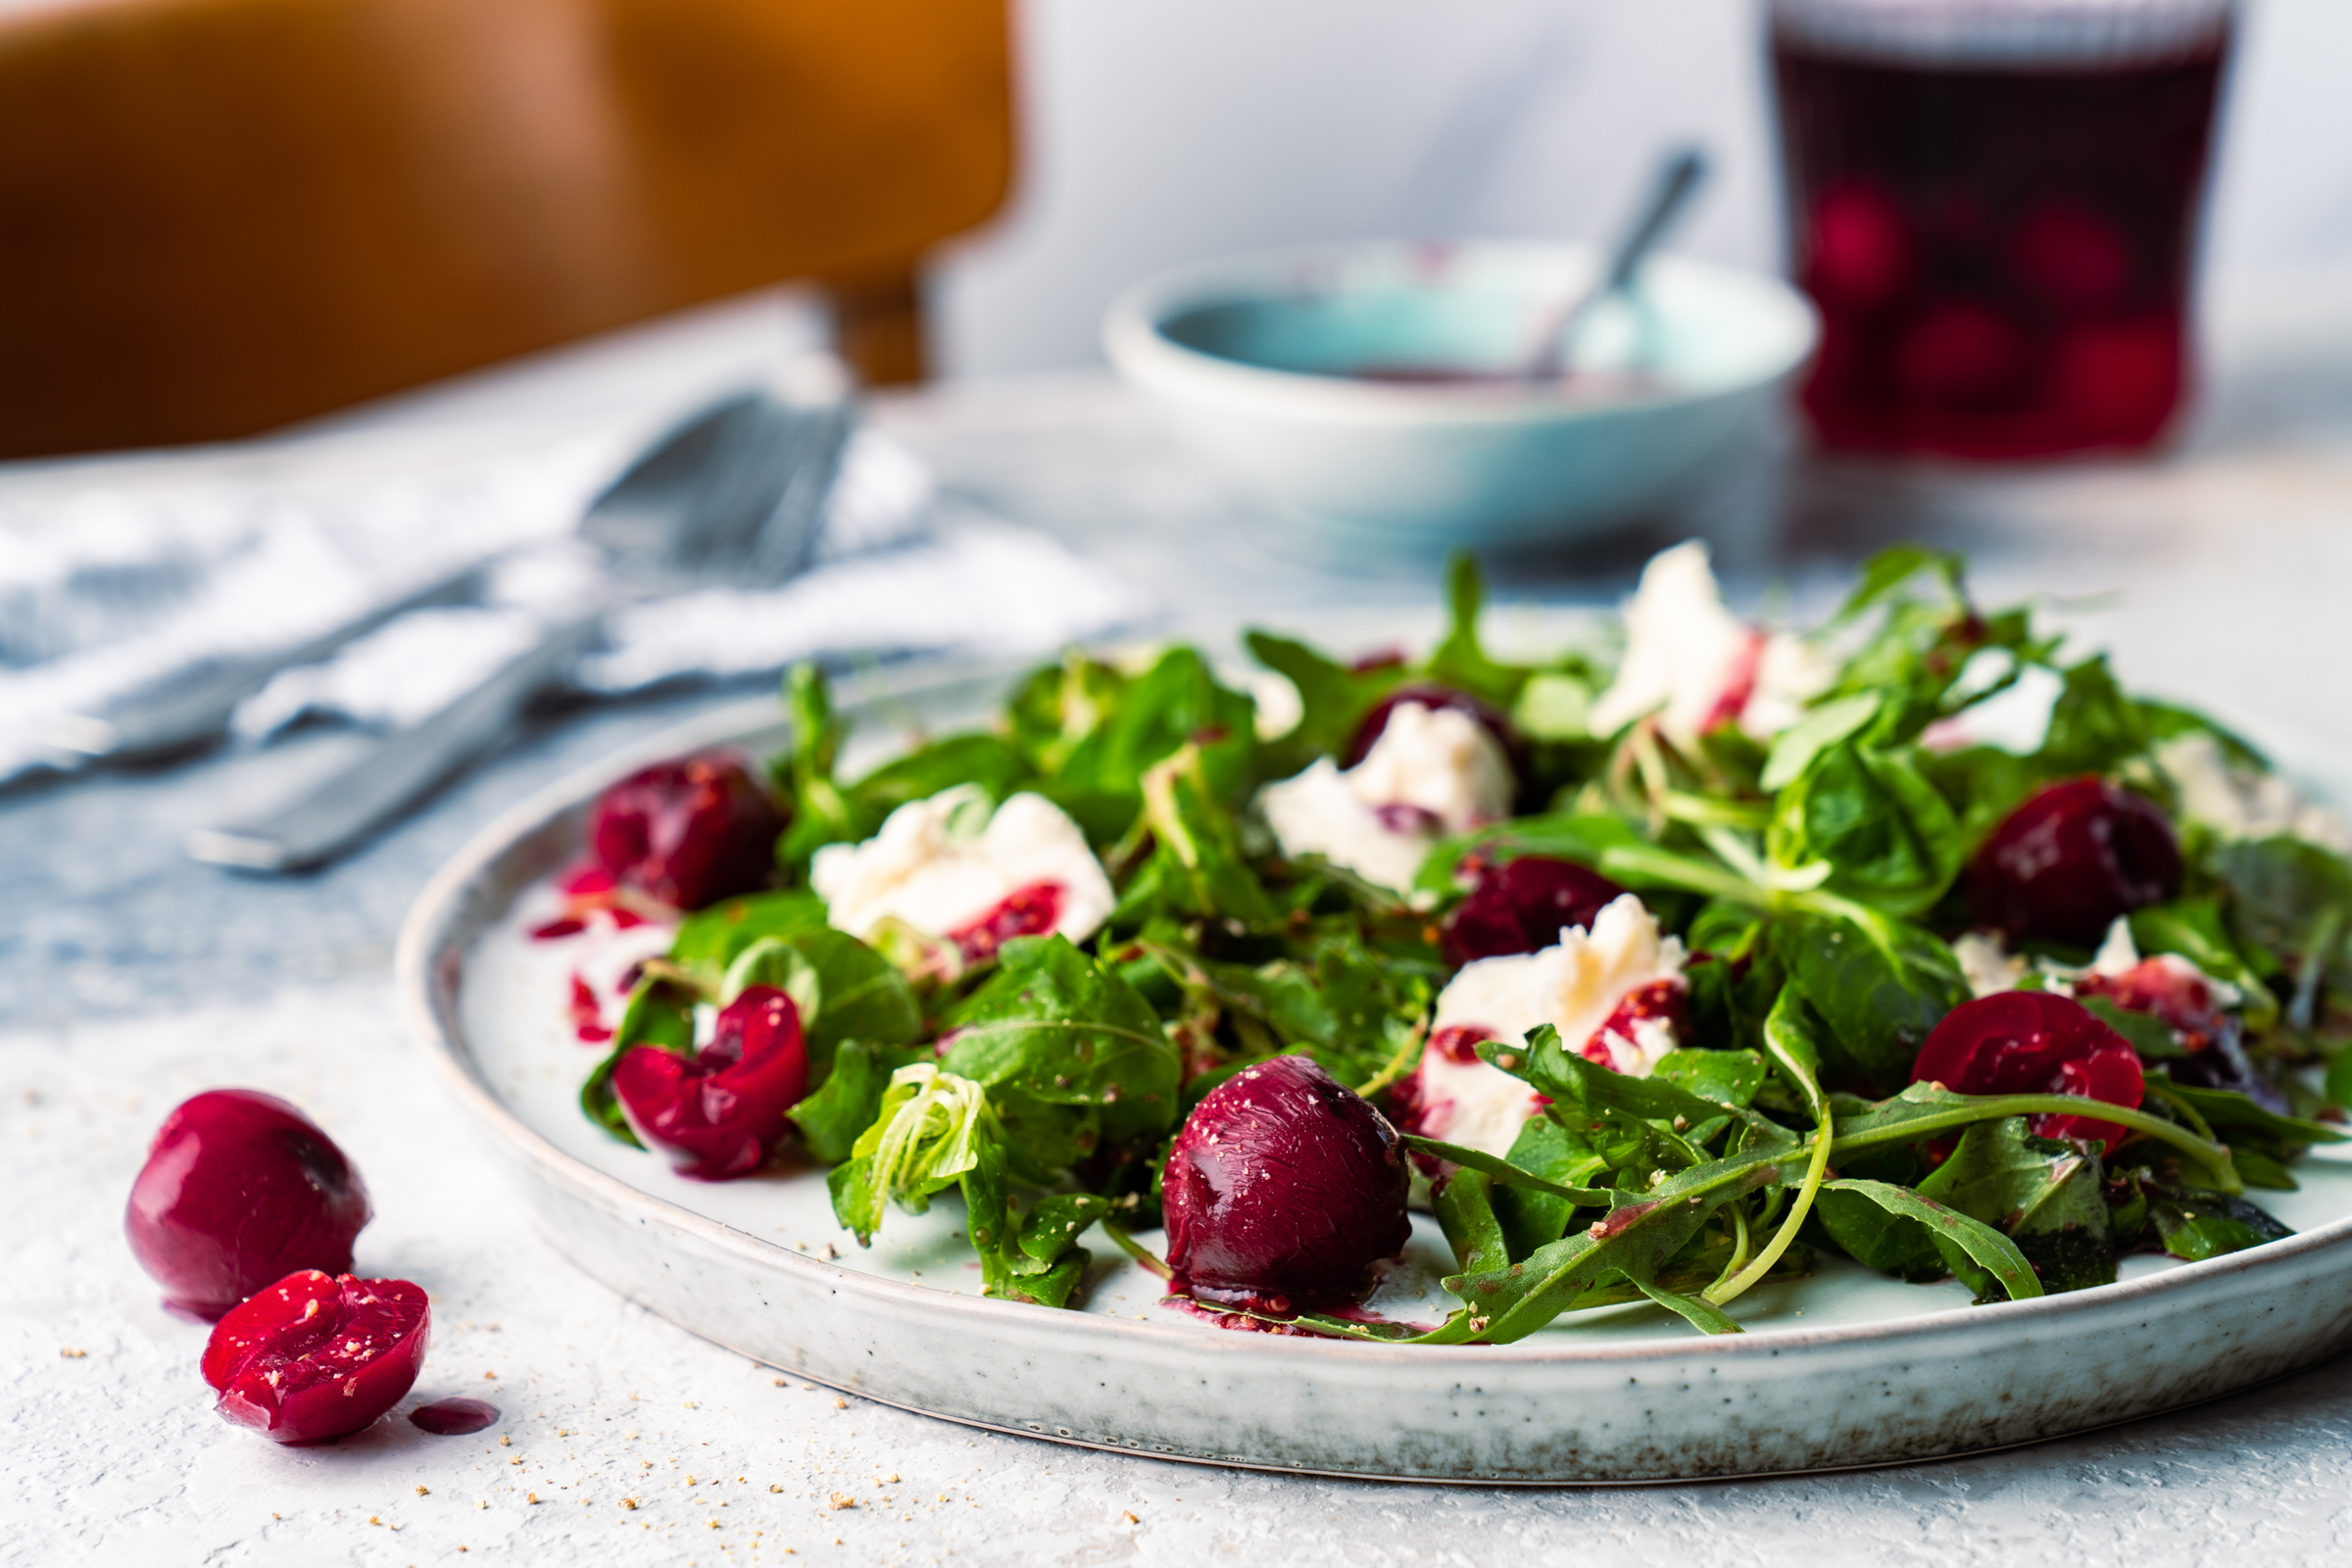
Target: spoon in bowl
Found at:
x=1677, y=179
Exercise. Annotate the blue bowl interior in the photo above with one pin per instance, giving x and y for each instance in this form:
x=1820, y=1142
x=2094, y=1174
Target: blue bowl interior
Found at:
x=1347, y=333
x=1475, y=315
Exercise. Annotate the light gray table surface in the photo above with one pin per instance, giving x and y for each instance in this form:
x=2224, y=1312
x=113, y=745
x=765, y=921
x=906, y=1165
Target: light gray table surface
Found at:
x=129, y=978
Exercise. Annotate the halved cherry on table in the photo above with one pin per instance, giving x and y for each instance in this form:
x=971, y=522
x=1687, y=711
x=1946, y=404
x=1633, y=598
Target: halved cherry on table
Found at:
x=240, y=1189
x=719, y=1113
x=2073, y=857
x=2035, y=1042
x=318, y=1356
x=687, y=833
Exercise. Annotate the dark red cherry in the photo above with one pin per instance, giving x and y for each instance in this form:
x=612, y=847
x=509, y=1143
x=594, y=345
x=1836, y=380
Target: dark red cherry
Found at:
x=2063, y=865
x=240, y=1189
x=1490, y=719
x=1862, y=253
x=719, y=1113
x=1522, y=906
x=2035, y=1042
x=315, y=1356
x=1282, y=1191
x=687, y=833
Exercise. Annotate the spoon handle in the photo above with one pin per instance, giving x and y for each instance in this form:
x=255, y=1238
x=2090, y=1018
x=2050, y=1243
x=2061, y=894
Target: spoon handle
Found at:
x=1676, y=179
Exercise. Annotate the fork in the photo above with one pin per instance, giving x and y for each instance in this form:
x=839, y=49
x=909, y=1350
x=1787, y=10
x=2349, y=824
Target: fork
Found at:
x=734, y=495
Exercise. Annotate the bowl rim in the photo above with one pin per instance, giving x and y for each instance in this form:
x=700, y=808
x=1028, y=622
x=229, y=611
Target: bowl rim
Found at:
x=1138, y=346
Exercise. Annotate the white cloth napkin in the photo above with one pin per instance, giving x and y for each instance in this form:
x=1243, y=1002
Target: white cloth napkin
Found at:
x=113, y=574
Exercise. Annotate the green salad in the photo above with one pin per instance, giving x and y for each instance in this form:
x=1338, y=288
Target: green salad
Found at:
x=1654, y=968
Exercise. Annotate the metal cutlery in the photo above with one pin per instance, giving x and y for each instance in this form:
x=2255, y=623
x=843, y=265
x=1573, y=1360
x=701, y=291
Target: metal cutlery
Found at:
x=733, y=495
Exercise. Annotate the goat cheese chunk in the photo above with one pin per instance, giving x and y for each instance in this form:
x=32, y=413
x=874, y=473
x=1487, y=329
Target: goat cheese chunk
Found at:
x=1431, y=772
x=1696, y=666
x=1614, y=994
x=942, y=865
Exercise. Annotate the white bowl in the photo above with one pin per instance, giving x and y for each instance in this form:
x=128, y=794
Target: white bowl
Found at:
x=1257, y=361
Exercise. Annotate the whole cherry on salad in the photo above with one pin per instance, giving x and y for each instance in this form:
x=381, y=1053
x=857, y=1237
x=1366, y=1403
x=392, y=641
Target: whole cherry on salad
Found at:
x=2073, y=857
x=1522, y=906
x=318, y=1356
x=1490, y=719
x=2035, y=1042
x=719, y=1113
x=1282, y=1191
x=241, y=1188
x=687, y=833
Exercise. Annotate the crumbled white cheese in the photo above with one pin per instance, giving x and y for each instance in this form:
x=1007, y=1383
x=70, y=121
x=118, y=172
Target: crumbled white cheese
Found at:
x=1692, y=662
x=2244, y=803
x=1433, y=771
x=2118, y=955
x=1276, y=700
x=1989, y=967
x=939, y=864
x=1575, y=987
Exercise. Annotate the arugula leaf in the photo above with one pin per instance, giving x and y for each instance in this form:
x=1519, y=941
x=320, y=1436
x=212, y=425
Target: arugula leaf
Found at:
x=1056, y=707
x=987, y=760
x=1176, y=700
x=1637, y=1238
x=1565, y=1163
x=1697, y=1310
x=821, y=814
x=2197, y=1225
x=1923, y=1111
x=1795, y=748
x=1886, y=837
x=1460, y=661
x=934, y=1130
x=1503, y=1173
x=710, y=940
x=1197, y=867
x=1920, y=1228
x=2094, y=728
x=832, y=1116
x=1069, y=1054
x=2148, y=1034
x=2292, y=901
x=1333, y=701
x=1569, y=1080
x=2227, y=1112
x=2045, y=1195
x=1880, y=992
x=1726, y=1077
x=1463, y=1203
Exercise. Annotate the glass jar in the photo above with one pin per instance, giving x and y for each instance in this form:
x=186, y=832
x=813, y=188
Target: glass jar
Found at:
x=1994, y=203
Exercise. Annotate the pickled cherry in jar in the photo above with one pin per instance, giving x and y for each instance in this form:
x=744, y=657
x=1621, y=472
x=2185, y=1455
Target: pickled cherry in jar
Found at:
x=1994, y=205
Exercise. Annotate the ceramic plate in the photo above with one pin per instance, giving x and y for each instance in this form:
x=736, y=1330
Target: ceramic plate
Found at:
x=1842, y=1369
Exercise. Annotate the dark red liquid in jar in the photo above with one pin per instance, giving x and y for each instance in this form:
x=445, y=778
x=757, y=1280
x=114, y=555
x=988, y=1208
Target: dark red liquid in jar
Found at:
x=2001, y=252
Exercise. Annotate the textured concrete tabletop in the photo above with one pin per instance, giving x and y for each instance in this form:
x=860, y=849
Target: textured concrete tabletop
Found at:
x=129, y=978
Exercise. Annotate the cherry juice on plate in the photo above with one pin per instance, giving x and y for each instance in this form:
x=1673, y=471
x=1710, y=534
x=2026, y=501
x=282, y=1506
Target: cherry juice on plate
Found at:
x=1995, y=207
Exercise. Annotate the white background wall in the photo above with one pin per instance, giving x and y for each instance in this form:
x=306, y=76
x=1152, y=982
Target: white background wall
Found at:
x=1160, y=130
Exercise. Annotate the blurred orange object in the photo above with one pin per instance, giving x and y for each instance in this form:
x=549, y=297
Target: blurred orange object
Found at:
x=219, y=215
